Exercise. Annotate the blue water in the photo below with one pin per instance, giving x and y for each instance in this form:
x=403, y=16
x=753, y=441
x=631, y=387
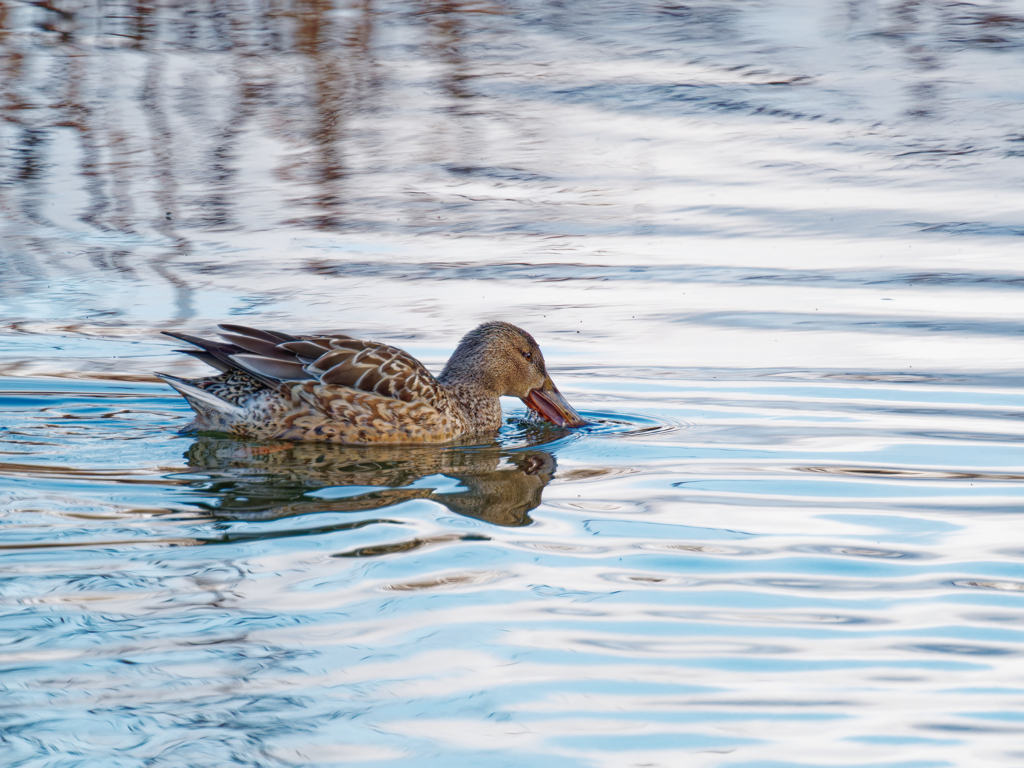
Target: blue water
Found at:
x=771, y=250
x=811, y=568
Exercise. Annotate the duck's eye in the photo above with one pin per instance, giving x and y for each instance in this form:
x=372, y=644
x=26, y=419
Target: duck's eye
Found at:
x=528, y=355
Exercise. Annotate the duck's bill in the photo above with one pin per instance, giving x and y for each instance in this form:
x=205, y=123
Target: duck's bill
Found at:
x=549, y=403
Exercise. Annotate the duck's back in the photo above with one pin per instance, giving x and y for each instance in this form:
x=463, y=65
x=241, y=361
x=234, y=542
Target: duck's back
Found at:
x=325, y=388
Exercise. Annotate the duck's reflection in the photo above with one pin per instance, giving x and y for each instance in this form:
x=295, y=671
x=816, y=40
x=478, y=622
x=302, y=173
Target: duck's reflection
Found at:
x=264, y=481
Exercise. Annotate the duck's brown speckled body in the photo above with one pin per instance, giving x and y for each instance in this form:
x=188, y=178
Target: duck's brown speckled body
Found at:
x=334, y=388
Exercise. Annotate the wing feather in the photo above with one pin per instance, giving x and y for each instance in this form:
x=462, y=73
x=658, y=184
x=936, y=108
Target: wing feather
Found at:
x=334, y=360
x=376, y=368
x=271, y=368
x=258, y=346
x=307, y=351
x=255, y=333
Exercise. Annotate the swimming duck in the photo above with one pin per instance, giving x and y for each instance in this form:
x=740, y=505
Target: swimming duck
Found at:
x=335, y=388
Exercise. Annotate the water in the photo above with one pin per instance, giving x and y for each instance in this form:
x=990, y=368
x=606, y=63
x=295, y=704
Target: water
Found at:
x=770, y=249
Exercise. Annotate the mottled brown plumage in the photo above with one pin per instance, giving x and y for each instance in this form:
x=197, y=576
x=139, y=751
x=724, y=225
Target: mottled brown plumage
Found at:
x=334, y=388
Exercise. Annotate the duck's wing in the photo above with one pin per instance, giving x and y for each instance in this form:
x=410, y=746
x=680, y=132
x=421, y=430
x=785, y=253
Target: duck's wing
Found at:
x=220, y=355
x=330, y=359
x=367, y=366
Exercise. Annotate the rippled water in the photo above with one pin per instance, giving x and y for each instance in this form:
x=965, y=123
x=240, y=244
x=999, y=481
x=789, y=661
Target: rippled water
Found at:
x=770, y=249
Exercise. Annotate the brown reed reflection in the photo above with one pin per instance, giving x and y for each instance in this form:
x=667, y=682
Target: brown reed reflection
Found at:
x=215, y=86
x=157, y=116
x=267, y=480
x=170, y=121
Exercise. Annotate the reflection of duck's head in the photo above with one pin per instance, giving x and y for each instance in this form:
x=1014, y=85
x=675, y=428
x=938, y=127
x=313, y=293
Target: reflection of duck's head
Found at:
x=263, y=480
x=506, y=494
x=500, y=359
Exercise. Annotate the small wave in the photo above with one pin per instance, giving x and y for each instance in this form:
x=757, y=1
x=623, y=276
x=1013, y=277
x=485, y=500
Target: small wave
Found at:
x=658, y=579
x=888, y=378
x=397, y=547
x=960, y=649
x=760, y=617
x=623, y=425
x=1002, y=586
x=908, y=473
x=885, y=554
x=523, y=431
x=700, y=549
x=464, y=579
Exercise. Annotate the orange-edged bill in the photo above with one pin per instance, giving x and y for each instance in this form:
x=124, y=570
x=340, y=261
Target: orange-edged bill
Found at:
x=548, y=402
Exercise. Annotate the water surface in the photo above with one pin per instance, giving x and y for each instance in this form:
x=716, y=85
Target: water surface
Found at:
x=770, y=249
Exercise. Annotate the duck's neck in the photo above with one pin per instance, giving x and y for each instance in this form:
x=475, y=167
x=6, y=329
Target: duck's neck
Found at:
x=480, y=406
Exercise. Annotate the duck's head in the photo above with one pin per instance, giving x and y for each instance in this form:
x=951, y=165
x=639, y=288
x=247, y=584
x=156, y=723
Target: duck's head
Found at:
x=505, y=360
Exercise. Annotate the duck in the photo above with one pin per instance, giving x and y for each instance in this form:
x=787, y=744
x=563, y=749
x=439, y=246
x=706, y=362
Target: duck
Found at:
x=329, y=387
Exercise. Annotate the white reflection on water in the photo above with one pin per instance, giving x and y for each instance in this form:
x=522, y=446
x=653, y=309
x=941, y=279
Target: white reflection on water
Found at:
x=772, y=250
x=724, y=587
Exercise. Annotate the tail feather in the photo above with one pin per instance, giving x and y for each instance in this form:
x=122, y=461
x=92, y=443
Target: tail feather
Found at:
x=200, y=400
x=227, y=356
x=207, y=358
x=274, y=337
x=218, y=350
x=203, y=343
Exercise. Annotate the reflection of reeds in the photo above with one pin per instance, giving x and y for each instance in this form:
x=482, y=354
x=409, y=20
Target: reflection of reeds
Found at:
x=215, y=85
x=167, y=121
x=206, y=84
x=328, y=85
x=285, y=75
x=260, y=480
